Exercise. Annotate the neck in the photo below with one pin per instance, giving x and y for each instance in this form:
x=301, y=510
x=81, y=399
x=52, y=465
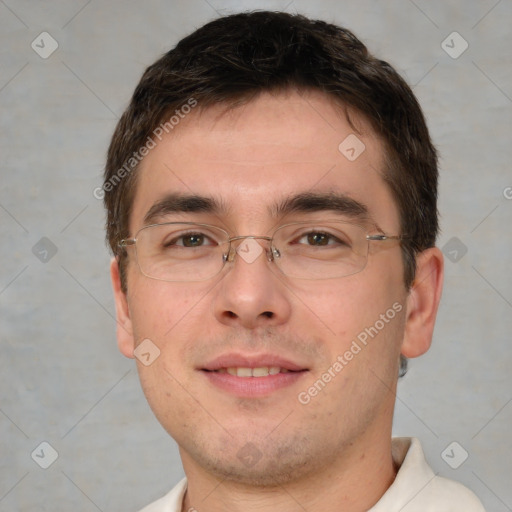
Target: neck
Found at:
x=355, y=481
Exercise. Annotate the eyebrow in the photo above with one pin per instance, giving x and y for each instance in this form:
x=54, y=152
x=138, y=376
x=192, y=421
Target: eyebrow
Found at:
x=307, y=202
x=318, y=202
x=181, y=203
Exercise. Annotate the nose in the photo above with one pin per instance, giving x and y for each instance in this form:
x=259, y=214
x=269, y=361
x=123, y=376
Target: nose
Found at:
x=251, y=293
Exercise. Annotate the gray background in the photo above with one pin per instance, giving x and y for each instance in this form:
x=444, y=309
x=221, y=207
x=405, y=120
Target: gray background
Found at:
x=61, y=378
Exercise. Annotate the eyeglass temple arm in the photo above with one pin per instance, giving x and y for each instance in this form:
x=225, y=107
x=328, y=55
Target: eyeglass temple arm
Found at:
x=386, y=237
x=126, y=242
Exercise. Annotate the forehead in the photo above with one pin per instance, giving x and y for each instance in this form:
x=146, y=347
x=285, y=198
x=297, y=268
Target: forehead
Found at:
x=257, y=155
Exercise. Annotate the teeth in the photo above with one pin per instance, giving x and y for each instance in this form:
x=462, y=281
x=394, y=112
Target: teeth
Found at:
x=243, y=372
x=260, y=372
x=263, y=371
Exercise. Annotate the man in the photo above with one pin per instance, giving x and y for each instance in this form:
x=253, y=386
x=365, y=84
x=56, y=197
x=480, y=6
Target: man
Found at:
x=271, y=196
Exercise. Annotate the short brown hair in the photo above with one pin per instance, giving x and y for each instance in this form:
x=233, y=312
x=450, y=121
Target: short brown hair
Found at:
x=233, y=59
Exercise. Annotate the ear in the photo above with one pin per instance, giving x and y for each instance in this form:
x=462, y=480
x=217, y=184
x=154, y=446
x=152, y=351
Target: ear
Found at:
x=125, y=340
x=422, y=302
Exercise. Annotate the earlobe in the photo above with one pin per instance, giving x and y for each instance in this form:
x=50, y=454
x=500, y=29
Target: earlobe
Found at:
x=422, y=302
x=125, y=340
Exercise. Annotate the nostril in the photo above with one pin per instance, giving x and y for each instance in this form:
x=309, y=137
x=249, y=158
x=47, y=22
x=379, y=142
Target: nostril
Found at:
x=268, y=314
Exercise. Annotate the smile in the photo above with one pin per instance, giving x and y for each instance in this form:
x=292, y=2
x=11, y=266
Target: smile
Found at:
x=262, y=371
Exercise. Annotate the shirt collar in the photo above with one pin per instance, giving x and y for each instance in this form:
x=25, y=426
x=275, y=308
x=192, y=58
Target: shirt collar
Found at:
x=412, y=477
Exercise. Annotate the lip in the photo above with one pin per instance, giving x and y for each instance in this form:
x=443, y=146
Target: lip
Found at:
x=252, y=361
x=252, y=387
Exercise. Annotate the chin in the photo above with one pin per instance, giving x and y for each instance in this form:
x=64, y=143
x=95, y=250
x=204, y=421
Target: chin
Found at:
x=263, y=462
x=266, y=472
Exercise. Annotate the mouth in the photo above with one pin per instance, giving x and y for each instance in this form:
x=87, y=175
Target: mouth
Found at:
x=261, y=371
x=252, y=376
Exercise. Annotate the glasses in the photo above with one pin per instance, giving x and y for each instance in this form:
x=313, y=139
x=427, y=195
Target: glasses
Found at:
x=186, y=251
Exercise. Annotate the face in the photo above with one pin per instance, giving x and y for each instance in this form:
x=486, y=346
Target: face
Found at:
x=334, y=386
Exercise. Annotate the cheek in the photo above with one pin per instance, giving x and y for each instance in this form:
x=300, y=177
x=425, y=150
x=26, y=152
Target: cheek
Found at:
x=360, y=321
x=163, y=388
x=344, y=307
x=176, y=318
x=165, y=313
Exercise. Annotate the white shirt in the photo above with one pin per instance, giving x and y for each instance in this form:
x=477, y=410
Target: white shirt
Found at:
x=416, y=487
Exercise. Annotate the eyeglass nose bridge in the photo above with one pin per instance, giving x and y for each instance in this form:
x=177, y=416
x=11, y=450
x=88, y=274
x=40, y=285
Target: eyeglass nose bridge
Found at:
x=229, y=256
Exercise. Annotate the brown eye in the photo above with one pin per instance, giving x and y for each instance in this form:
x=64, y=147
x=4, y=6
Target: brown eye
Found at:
x=193, y=240
x=188, y=240
x=318, y=238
